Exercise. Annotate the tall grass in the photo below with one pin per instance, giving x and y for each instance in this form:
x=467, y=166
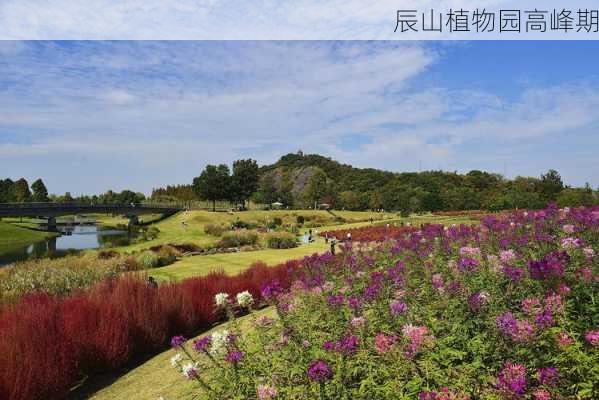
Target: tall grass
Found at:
x=48, y=342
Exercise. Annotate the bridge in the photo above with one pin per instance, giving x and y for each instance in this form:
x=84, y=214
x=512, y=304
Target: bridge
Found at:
x=50, y=211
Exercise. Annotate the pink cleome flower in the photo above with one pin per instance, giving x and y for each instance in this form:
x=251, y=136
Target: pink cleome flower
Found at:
x=592, y=337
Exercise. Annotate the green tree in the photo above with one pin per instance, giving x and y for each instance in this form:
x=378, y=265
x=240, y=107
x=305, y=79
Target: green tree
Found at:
x=21, y=192
x=213, y=184
x=349, y=200
x=244, y=181
x=40, y=193
x=6, y=190
x=317, y=187
x=550, y=185
x=267, y=190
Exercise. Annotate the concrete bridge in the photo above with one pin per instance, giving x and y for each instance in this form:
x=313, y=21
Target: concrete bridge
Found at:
x=50, y=211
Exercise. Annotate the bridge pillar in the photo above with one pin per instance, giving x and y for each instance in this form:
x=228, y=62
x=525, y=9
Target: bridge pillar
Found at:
x=52, y=224
x=133, y=221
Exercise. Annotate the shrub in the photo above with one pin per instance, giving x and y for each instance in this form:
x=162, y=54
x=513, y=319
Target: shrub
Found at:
x=238, y=239
x=168, y=255
x=215, y=229
x=239, y=224
x=281, y=240
x=300, y=219
x=148, y=259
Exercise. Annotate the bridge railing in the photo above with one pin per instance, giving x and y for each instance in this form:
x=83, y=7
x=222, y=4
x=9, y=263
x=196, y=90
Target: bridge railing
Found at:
x=38, y=205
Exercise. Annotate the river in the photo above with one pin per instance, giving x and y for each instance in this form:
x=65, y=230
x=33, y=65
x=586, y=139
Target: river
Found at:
x=73, y=239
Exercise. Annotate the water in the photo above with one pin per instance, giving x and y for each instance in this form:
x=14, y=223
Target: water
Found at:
x=73, y=239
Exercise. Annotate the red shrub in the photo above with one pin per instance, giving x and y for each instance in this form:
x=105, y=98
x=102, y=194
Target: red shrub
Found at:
x=47, y=342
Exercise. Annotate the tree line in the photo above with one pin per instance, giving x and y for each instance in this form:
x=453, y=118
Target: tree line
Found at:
x=20, y=191
x=342, y=186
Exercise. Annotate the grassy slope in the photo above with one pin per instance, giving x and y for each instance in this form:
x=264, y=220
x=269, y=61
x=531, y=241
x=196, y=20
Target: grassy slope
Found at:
x=11, y=234
x=232, y=263
x=157, y=378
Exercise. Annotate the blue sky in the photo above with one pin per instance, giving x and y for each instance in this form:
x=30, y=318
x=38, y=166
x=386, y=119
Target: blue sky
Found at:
x=92, y=116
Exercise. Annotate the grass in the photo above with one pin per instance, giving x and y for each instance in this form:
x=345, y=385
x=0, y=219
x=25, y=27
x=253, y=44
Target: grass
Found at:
x=12, y=234
x=188, y=226
x=156, y=377
x=232, y=263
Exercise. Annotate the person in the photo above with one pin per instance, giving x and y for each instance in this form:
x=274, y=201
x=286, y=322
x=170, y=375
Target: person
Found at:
x=152, y=282
x=326, y=237
x=349, y=236
x=333, y=246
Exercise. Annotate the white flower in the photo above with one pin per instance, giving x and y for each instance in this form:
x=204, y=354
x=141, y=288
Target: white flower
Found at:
x=244, y=299
x=190, y=370
x=176, y=359
x=221, y=299
x=220, y=340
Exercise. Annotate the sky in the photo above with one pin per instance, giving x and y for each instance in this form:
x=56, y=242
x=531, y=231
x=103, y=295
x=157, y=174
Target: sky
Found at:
x=88, y=116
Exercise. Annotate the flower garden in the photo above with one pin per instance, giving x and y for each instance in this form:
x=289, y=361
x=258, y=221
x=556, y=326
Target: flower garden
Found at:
x=508, y=309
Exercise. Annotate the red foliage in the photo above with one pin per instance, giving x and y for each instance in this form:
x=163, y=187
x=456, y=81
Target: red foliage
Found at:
x=47, y=342
x=375, y=233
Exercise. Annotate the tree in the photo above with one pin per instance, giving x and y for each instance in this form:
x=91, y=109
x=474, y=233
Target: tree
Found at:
x=213, y=184
x=21, y=192
x=267, y=190
x=317, y=187
x=550, y=185
x=6, y=190
x=40, y=193
x=244, y=181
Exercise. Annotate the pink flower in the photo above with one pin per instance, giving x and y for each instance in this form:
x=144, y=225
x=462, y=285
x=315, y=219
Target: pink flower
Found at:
x=469, y=251
x=507, y=256
x=569, y=228
x=358, y=322
x=563, y=339
x=589, y=253
x=541, y=394
x=383, y=343
x=592, y=337
x=418, y=336
x=437, y=281
x=531, y=306
x=266, y=392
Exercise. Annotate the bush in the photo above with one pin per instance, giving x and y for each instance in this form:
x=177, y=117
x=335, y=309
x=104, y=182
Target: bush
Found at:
x=148, y=259
x=239, y=224
x=281, y=240
x=215, y=229
x=238, y=239
x=168, y=255
x=300, y=219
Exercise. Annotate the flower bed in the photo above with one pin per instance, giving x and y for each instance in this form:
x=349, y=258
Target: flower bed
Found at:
x=505, y=310
x=375, y=233
x=48, y=343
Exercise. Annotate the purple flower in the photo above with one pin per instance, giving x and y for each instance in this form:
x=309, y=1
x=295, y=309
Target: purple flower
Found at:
x=477, y=301
x=234, y=357
x=335, y=300
x=468, y=263
x=512, y=379
x=347, y=345
x=592, y=337
x=548, y=376
x=397, y=307
x=177, y=341
x=328, y=345
x=271, y=291
x=319, y=371
x=201, y=345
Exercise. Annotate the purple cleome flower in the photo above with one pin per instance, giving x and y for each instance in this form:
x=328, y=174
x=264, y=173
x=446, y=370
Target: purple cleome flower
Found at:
x=319, y=371
x=177, y=341
x=234, y=356
x=398, y=307
x=201, y=345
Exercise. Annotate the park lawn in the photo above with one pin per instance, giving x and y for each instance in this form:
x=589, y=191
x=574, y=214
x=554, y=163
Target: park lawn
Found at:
x=187, y=227
x=157, y=378
x=232, y=263
x=12, y=234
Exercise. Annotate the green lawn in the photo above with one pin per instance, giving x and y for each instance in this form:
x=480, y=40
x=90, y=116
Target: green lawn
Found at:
x=232, y=263
x=12, y=234
x=156, y=377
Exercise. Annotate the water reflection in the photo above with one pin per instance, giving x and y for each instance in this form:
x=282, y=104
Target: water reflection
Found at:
x=73, y=239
